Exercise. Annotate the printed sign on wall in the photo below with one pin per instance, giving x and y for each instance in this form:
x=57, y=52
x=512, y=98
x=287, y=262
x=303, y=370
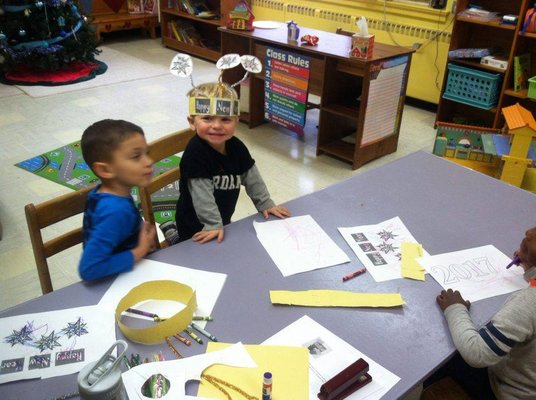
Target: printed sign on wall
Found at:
x=285, y=88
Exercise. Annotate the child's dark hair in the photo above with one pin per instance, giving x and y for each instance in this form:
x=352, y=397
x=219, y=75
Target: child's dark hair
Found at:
x=101, y=139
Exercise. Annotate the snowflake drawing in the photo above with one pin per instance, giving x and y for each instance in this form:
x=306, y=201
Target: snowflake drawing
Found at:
x=399, y=256
x=48, y=342
x=228, y=61
x=251, y=64
x=23, y=336
x=77, y=328
x=386, y=235
x=182, y=65
x=386, y=247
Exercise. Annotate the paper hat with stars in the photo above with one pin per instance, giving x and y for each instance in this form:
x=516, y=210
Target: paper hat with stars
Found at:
x=217, y=98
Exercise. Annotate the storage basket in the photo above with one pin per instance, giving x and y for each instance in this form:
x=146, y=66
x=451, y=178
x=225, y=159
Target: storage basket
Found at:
x=532, y=88
x=471, y=86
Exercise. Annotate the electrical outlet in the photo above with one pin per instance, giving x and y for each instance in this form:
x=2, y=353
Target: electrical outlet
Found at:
x=416, y=46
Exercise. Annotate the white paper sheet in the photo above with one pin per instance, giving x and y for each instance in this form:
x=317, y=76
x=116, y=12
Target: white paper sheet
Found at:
x=329, y=355
x=478, y=273
x=298, y=244
x=53, y=343
x=379, y=246
x=178, y=372
x=207, y=285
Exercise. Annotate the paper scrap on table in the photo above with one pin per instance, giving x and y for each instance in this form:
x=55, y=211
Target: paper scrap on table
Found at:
x=335, y=298
x=178, y=372
x=410, y=267
x=478, y=273
x=329, y=355
x=207, y=286
x=53, y=343
x=298, y=244
x=378, y=247
x=288, y=365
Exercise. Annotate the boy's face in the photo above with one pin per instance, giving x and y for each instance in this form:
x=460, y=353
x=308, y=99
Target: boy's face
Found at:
x=214, y=130
x=131, y=165
x=527, y=249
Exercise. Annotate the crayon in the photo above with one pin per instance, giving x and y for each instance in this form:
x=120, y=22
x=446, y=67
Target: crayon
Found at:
x=193, y=335
x=203, y=332
x=354, y=274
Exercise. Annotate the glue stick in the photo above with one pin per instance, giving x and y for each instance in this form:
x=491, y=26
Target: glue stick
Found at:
x=267, y=386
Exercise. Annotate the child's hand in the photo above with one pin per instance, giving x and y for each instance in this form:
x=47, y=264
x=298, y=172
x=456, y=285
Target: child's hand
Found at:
x=207, y=236
x=450, y=297
x=146, y=242
x=278, y=211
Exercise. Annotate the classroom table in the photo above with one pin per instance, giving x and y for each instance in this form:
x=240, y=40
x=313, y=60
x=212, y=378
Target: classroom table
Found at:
x=446, y=207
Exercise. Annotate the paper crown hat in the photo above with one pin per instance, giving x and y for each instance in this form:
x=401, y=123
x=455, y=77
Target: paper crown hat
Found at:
x=217, y=98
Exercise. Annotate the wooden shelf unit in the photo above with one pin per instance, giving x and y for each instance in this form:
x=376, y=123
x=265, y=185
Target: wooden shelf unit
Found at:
x=208, y=28
x=342, y=84
x=508, y=39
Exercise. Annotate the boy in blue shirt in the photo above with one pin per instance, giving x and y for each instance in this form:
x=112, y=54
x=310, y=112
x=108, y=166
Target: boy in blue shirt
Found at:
x=115, y=237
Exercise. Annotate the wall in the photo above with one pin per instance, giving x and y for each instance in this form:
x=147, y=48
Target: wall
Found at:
x=393, y=22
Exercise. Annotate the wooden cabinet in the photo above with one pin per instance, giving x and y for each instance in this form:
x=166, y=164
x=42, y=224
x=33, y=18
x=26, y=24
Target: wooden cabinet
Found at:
x=361, y=100
x=208, y=43
x=503, y=38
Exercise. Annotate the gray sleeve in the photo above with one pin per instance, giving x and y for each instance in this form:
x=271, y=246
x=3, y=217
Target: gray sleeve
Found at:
x=202, y=192
x=256, y=189
x=479, y=348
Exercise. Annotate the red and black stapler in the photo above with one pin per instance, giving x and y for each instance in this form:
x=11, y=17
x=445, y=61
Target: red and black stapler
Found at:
x=346, y=382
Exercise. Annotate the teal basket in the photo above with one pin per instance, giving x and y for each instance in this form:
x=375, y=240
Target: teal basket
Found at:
x=471, y=86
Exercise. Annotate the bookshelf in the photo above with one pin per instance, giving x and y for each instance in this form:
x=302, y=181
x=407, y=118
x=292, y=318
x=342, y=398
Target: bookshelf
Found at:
x=191, y=26
x=507, y=39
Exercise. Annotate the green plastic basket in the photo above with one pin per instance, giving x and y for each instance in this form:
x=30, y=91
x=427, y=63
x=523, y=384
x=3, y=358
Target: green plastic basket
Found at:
x=471, y=86
x=532, y=88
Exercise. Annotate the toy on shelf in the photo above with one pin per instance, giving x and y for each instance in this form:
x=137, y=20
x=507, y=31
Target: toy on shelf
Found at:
x=509, y=155
x=522, y=128
x=293, y=32
x=241, y=18
x=310, y=40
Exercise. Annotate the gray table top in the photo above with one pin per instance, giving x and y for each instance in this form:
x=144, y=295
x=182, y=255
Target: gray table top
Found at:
x=446, y=207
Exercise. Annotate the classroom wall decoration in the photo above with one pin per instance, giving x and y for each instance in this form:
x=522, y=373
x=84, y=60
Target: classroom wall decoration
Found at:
x=53, y=343
x=286, y=86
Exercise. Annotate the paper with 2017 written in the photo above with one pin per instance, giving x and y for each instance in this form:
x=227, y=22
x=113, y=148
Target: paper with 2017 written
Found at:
x=298, y=244
x=329, y=355
x=478, y=273
x=53, y=343
x=207, y=286
x=379, y=247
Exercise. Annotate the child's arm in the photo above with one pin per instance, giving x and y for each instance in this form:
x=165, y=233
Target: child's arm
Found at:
x=202, y=193
x=258, y=192
x=146, y=242
x=488, y=345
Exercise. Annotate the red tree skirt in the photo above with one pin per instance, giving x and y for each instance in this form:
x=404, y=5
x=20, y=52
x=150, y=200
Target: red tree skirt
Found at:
x=75, y=72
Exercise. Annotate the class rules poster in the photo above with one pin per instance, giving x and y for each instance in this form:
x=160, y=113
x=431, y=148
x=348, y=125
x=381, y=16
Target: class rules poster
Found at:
x=286, y=86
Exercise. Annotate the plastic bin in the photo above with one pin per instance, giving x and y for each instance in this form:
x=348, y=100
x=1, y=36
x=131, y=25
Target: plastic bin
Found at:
x=532, y=88
x=471, y=86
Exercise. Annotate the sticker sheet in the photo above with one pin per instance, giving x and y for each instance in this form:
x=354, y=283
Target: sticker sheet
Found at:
x=478, y=273
x=53, y=343
x=379, y=247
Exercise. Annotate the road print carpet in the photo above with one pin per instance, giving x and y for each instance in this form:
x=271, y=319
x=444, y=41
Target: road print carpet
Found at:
x=67, y=167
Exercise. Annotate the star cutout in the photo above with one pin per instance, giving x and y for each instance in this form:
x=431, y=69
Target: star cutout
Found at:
x=77, y=328
x=20, y=337
x=48, y=342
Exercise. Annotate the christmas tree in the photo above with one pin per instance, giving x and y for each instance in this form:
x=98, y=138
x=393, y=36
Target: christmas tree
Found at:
x=43, y=35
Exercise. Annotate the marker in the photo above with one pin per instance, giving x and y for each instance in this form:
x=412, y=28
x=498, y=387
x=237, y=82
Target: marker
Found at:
x=354, y=274
x=193, y=335
x=267, y=386
x=515, y=261
x=144, y=313
x=127, y=364
x=187, y=342
x=200, y=318
x=203, y=332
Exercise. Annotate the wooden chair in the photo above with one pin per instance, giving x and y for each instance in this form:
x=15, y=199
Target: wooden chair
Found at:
x=445, y=389
x=48, y=213
x=159, y=149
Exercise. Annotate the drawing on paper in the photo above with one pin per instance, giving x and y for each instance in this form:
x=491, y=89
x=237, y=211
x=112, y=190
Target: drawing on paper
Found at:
x=317, y=347
x=477, y=273
x=386, y=235
x=38, y=337
x=387, y=247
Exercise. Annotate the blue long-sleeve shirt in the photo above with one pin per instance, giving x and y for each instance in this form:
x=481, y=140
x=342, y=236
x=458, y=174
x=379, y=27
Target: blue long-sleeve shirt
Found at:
x=111, y=227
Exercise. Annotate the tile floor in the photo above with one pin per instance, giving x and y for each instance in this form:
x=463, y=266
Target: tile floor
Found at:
x=31, y=126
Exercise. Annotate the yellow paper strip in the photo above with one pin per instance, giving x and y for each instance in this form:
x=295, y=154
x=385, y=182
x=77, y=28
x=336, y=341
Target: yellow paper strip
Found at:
x=410, y=267
x=289, y=367
x=335, y=298
x=158, y=290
